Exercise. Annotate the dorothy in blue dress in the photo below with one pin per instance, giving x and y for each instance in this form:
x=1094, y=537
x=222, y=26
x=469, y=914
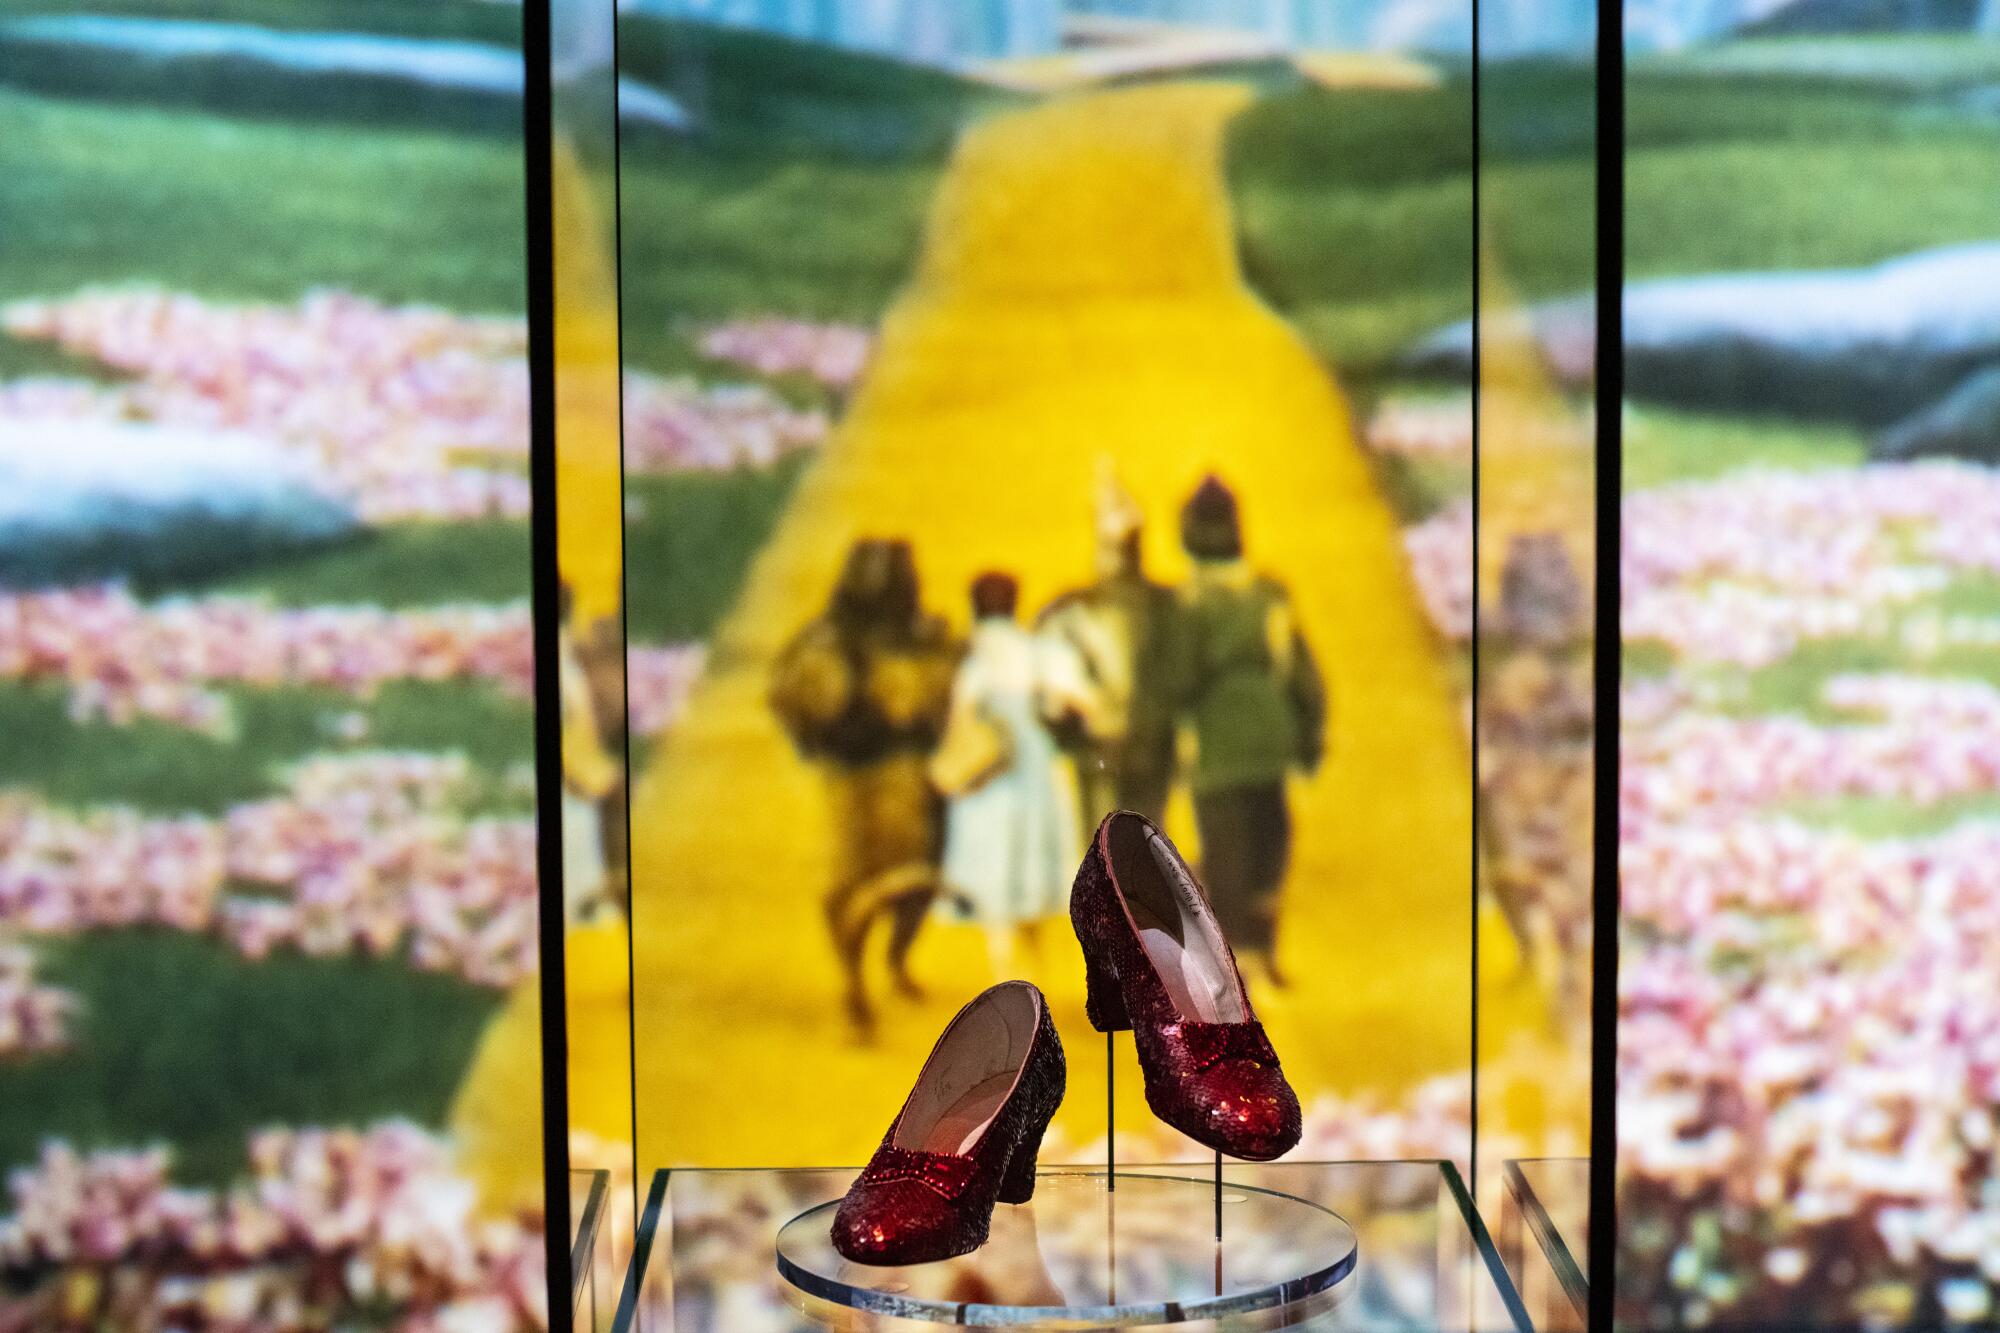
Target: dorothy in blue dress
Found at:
x=1011, y=842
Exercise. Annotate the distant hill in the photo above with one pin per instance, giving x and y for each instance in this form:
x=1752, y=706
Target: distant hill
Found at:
x=1802, y=17
x=755, y=92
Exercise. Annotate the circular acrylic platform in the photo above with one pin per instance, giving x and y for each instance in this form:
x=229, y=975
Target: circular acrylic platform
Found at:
x=1083, y=1256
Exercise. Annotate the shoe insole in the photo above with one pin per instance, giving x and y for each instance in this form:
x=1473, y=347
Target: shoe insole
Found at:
x=971, y=1073
x=959, y=1126
x=1181, y=938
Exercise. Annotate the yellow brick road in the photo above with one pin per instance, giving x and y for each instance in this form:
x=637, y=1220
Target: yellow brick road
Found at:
x=1078, y=298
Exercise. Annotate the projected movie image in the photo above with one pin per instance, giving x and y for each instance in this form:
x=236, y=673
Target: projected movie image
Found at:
x=1070, y=445
x=266, y=791
x=1806, y=1071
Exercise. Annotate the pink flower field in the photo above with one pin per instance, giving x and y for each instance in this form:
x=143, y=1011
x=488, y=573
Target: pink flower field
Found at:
x=406, y=412
x=1809, y=1049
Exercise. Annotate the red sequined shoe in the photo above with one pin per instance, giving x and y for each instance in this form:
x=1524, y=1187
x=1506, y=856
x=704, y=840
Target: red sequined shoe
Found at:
x=966, y=1136
x=1155, y=962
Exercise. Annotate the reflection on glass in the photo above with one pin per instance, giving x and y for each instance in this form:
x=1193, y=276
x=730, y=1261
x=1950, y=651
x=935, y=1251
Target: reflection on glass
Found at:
x=500, y=1103
x=591, y=635
x=1536, y=517
x=594, y=1256
x=1543, y=1238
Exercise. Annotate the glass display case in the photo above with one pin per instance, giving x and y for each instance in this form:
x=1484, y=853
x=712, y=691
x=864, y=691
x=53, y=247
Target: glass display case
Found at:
x=1028, y=412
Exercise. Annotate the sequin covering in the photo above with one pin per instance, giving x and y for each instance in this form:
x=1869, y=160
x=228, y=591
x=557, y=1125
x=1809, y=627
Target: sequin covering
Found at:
x=947, y=1175
x=1210, y=1044
x=1218, y=1083
x=913, y=1207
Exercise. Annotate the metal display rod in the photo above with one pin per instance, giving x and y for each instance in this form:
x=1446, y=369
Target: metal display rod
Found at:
x=1111, y=1133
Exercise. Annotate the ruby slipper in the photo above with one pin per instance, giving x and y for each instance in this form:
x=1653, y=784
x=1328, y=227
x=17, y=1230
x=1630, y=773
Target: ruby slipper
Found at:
x=967, y=1135
x=1156, y=963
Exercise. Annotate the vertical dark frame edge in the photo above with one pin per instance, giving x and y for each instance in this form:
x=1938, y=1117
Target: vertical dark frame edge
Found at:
x=1609, y=651
x=539, y=216
x=1472, y=1147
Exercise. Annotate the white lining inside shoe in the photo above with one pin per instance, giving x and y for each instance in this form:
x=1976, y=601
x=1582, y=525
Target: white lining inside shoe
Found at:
x=1176, y=928
x=970, y=1075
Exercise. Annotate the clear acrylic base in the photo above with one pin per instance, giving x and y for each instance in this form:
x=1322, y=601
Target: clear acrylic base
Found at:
x=1081, y=1255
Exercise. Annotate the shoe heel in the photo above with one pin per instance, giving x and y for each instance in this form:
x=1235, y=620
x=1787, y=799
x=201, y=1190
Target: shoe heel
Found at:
x=1018, y=1185
x=1103, y=1001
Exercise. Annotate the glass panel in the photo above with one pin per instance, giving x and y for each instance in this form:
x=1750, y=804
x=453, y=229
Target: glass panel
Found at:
x=593, y=1262
x=590, y=565
x=935, y=331
x=1543, y=1238
x=267, y=867
x=1810, y=935
x=1423, y=1262
x=1536, y=518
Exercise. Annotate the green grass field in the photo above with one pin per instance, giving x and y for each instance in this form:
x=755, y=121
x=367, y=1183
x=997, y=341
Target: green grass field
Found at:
x=1663, y=445
x=803, y=195
x=238, y=209
x=804, y=192
x=183, y=1043
x=410, y=564
x=465, y=20
x=1355, y=207
x=689, y=544
x=168, y=770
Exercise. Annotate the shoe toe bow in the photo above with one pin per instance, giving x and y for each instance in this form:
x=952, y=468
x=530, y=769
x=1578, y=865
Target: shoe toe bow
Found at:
x=902, y=1221
x=1250, y=1110
x=1236, y=1096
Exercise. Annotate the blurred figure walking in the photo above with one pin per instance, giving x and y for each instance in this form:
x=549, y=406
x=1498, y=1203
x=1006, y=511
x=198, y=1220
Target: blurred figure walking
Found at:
x=1256, y=705
x=593, y=780
x=1117, y=722
x=1011, y=840
x=863, y=689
